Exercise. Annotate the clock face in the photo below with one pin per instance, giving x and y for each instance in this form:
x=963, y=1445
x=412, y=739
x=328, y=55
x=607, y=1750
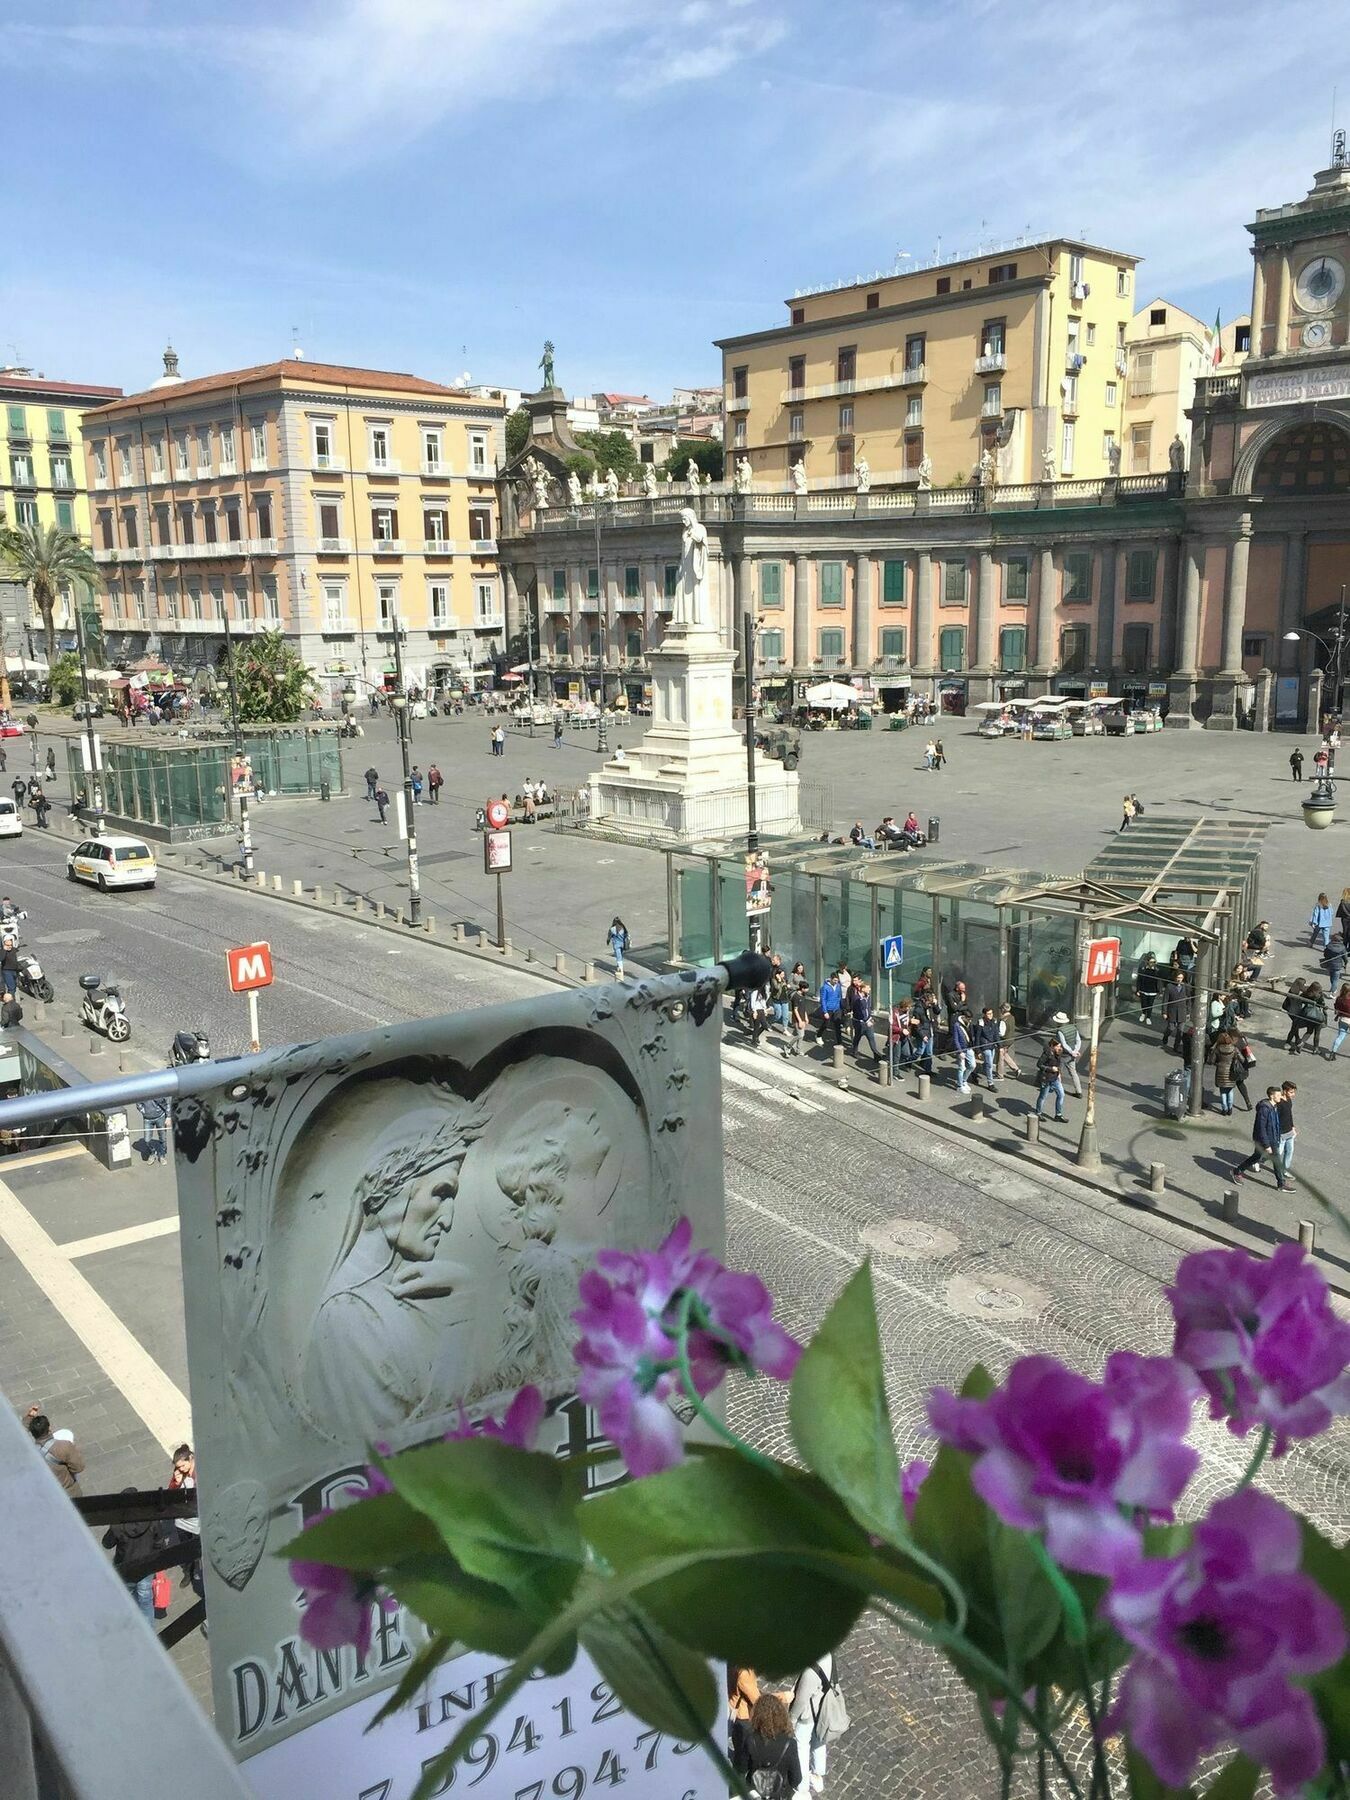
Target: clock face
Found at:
x=1319, y=284
x=1316, y=333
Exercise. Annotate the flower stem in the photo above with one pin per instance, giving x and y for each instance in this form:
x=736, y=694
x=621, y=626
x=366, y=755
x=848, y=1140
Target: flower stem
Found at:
x=1259, y=1455
x=687, y=1301
x=1075, y=1625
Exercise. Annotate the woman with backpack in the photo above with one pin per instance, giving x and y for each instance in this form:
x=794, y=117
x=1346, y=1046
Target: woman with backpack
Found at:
x=767, y=1752
x=818, y=1716
x=617, y=937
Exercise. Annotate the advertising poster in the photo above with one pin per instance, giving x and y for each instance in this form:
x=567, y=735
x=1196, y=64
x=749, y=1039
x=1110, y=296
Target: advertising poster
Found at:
x=377, y=1230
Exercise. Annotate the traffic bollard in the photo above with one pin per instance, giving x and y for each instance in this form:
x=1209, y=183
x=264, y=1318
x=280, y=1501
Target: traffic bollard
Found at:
x=276, y=883
x=318, y=896
x=429, y=923
x=260, y=878
x=65, y=1028
x=559, y=963
x=837, y=1057
x=1033, y=1128
x=588, y=974
x=457, y=932
x=977, y=1103
x=297, y=888
x=359, y=904
x=1307, y=1235
x=506, y=946
x=1230, y=1206
x=95, y=1044
x=529, y=955
x=1157, y=1178
x=884, y=1073
x=925, y=1088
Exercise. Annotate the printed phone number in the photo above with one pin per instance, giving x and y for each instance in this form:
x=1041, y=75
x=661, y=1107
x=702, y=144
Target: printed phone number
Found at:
x=526, y=1739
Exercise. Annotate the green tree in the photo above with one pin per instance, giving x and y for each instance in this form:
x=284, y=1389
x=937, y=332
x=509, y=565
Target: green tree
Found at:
x=271, y=683
x=582, y=464
x=612, y=450
x=46, y=558
x=706, y=452
x=65, y=678
x=517, y=432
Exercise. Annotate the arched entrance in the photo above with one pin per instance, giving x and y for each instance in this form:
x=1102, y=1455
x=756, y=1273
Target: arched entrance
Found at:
x=1312, y=458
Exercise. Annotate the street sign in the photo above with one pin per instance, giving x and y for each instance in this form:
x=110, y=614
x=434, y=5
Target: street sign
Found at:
x=892, y=952
x=498, y=814
x=250, y=966
x=496, y=852
x=1102, y=963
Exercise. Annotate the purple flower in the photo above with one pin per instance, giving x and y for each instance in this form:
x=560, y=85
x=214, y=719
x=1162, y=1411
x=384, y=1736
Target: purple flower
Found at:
x=1219, y=1633
x=627, y=1353
x=1057, y=1452
x=912, y=1478
x=337, y=1603
x=519, y=1426
x=1264, y=1340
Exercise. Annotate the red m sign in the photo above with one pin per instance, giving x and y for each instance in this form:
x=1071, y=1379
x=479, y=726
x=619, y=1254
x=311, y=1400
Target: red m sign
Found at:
x=1103, y=962
x=250, y=966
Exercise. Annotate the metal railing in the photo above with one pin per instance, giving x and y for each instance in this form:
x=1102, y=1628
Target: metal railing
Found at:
x=994, y=363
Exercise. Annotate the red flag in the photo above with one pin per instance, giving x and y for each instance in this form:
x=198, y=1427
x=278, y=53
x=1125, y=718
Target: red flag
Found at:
x=1218, y=343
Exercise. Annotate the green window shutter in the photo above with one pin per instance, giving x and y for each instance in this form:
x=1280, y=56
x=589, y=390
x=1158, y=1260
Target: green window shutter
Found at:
x=560, y=584
x=592, y=584
x=832, y=587
x=65, y=516
x=952, y=647
x=634, y=642
x=1015, y=578
x=1077, y=575
x=771, y=584
x=771, y=646
x=1012, y=648
x=893, y=583
x=18, y=421
x=56, y=425
x=954, y=583
x=672, y=580
x=1140, y=574
x=831, y=642
x=893, y=642
x=632, y=587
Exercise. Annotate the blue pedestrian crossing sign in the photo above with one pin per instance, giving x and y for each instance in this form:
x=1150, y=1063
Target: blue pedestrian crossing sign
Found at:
x=892, y=952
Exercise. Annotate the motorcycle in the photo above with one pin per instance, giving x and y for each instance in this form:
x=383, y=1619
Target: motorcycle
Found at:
x=31, y=979
x=105, y=1012
x=190, y=1047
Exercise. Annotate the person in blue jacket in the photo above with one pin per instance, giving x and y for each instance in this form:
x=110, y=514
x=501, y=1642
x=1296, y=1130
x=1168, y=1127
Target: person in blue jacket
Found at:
x=1265, y=1140
x=965, y=1055
x=832, y=1008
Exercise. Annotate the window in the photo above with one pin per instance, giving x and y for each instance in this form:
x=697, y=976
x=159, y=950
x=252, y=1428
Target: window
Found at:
x=954, y=582
x=243, y=603
x=561, y=641
x=180, y=453
x=994, y=337
x=1108, y=447
x=438, y=604
x=846, y=418
x=485, y=603
x=1122, y=283
x=1141, y=373
x=916, y=346
x=187, y=524
x=334, y=604
x=204, y=450
x=632, y=642
x=1253, y=648
x=1157, y=315
x=914, y=411
x=208, y=522
x=1015, y=571
x=1077, y=575
x=831, y=584
x=386, y=593
x=65, y=518
x=1136, y=644
x=231, y=512
x=796, y=426
x=480, y=523
x=846, y=364
x=25, y=512
x=1139, y=574
x=170, y=596
x=1075, y=325
x=1000, y=272
x=262, y=512
x=257, y=444
x=1141, y=446
x=796, y=373
x=944, y=284
x=218, y=600
x=595, y=643
x=105, y=528
x=559, y=584
x=478, y=456
x=740, y=382
x=831, y=640
x=670, y=580
x=124, y=458
x=843, y=457
x=227, y=449
x=434, y=522
x=163, y=530
x=18, y=421
x=799, y=315
x=433, y=449
x=330, y=520
x=157, y=456
x=138, y=595
x=993, y=398
x=771, y=646
x=100, y=462
x=379, y=446
x=61, y=476
x=893, y=582
x=1066, y=449
x=271, y=598
x=632, y=582
x=1111, y=393
x=592, y=584
x=1012, y=648
x=737, y=438
x=873, y=302
x=1075, y=267
x=383, y=524
x=1242, y=339
x=1091, y=335
x=21, y=470
x=1073, y=649
x=322, y=433
x=1070, y=393
x=952, y=647
x=893, y=642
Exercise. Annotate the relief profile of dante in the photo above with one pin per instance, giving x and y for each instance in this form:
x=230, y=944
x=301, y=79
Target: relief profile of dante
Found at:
x=446, y=1270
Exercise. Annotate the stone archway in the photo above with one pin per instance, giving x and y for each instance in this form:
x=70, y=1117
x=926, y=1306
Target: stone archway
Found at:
x=1305, y=457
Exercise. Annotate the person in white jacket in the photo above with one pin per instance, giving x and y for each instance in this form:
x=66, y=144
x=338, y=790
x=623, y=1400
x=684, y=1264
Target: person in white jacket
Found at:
x=803, y=1711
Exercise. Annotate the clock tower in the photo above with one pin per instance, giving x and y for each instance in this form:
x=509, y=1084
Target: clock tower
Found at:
x=1301, y=252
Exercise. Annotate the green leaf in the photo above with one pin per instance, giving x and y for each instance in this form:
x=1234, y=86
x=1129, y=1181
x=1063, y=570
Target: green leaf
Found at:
x=774, y=1562
x=1237, y=1781
x=1145, y=1785
x=1029, y=1610
x=474, y=1613
x=841, y=1424
x=424, y=1663
x=371, y=1535
x=950, y=1525
x=506, y=1515
x=1329, y=1567
x=666, y=1685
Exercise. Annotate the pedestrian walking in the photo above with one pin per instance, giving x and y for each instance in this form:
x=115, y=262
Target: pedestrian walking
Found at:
x=1319, y=923
x=1296, y=763
x=51, y=763
x=499, y=739
x=1049, y=1079
x=189, y=1530
x=9, y=965
x=1305, y=1004
x=1333, y=961
x=4, y=759
x=60, y=1452
x=1007, y=1033
x=779, y=992
x=1243, y=1064
x=799, y=1018
x=1225, y=1056
x=382, y=803
x=986, y=1045
x=1176, y=997
x=1284, y=1106
x=963, y=1050
x=1147, y=984
x=757, y=1012
x=557, y=731
x=435, y=782
x=372, y=782
x=41, y=806
x=617, y=938
x=832, y=1008
x=807, y=1711
x=131, y=1542
x=1070, y=1040
x=767, y=1751
x=939, y=755
x=860, y=1009
x=415, y=783
x=20, y=790
x=1265, y=1139
x=1341, y=1013
x=1127, y=811
x=155, y=1117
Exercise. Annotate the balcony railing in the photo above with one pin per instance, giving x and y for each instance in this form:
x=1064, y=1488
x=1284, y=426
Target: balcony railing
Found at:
x=162, y=553
x=1074, y=360
x=486, y=546
x=330, y=464
x=204, y=471
x=335, y=546
x=159, y=475
x=230, y=467
x=435, y=470
x=992, y=409
x=387, y=546
x=867, y=384
x=557, y=603
x=337, y=622
x=112, y=555
x=441, y=546
x=384, y=465
x=489, y=621
x=262, y=546
x=991, y=362
x=1217, y=387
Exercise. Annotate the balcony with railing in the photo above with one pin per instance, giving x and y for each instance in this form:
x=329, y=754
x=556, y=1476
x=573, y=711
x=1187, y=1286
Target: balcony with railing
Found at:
x=991, y=409
x=1209, y=388
x=1074, y=360
x=739, y=403
x=337, y=624
x=335, y=546
x=384, y=465
x=262, y=546
x=556, y=603
x=489, y=618
x=329, y=465
x=1122, y=362
x=436, y=470
x=991, y=362
x=864, y=384
x=391, y=546
x=483, y=546
x=438, y=546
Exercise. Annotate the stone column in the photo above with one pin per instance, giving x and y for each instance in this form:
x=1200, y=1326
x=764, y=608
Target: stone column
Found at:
x=515, y=621
x=1164, y=657
x=1182, y=686
x=1258, y=303
x=1223, y=713
x=922, y=653
x=1045, y=613
x=1107, y=578
x=1291, y=601
x=981, y=686
x=1281, y=307
x=864, y=650
x=801, y=645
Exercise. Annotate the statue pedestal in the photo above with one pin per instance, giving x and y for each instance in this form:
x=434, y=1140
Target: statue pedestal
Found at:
x=687, y=778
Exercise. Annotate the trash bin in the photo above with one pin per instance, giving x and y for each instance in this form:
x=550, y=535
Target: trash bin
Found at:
x=1174, y=1093
x=934, y=830
x=325, y=789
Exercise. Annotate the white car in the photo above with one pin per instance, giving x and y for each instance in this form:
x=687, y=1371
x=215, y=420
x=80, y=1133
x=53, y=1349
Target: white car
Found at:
x=112, y=861
x=11, y=819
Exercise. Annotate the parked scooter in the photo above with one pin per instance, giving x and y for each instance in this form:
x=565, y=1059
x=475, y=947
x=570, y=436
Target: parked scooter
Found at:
x=190, y=1047
x=31, y=979
x=105, y=1012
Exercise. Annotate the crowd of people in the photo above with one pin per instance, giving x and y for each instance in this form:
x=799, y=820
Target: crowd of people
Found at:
x=779, y=1738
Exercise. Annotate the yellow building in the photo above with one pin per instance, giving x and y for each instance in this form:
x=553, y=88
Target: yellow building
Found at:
x=41, y=480
x=324, y=501
x=1019, y=354
x=1168, y=350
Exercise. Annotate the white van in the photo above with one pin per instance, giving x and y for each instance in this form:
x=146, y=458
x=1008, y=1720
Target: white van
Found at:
x=11, y=819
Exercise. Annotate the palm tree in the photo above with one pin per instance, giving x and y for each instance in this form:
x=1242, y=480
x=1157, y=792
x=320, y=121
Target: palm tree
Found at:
x=46, y=559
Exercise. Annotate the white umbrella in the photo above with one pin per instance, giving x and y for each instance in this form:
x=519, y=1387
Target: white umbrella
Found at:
x=990, y=706
x=833, y=695
x=21, y=665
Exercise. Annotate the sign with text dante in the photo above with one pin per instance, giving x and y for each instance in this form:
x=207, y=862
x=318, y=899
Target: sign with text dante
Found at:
x=376, y=1230
x=1298, y=386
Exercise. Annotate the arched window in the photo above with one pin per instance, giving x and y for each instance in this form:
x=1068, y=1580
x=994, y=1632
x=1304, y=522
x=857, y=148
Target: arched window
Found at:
x=1307, y=459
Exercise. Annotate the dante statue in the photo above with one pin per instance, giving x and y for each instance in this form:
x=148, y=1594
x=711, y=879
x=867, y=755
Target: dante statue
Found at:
x=546, y=363
x=863, y=470
x=691, y=596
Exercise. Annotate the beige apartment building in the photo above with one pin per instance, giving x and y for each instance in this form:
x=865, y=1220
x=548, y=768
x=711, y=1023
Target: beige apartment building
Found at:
x=1168, y=351
x=323, y=501
x=1020, y=354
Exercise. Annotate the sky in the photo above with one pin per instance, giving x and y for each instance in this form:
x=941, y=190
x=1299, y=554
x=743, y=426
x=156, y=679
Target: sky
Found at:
x=439, y=185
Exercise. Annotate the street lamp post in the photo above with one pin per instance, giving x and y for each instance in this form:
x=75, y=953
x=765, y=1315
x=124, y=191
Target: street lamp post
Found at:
x=241, y=791
x=400, y=705
x=751, y=792
x=90, y=738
